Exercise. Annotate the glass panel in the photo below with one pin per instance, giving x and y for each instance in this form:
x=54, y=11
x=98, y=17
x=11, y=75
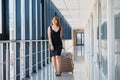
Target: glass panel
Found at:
x=4, y=19
x=7, y=20
x=117, y=38
x=46, y=17
x=27, y=33
x=79, y=38
x=38, y=18
x=80, y=43
x=83, y=38
x=18, y=19
x=33, y=19
x=104, y=37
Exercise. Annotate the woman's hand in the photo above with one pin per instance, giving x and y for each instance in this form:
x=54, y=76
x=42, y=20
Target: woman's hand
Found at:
x=51, y=47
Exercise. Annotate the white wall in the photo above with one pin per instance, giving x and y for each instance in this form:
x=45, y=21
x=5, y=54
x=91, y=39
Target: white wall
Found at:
x=68, y=45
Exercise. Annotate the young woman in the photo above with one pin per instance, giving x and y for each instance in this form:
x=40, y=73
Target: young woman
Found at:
x=54, y=36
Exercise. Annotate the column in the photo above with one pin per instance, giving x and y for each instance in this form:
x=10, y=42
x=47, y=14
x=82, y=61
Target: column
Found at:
x=12, y=28
x=30, y=44
x=110, y=43
x=1, y=45
x=22, y=44
x=36, y=35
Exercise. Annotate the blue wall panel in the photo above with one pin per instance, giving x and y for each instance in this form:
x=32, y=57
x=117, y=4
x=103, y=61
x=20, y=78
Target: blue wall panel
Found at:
x=7, y=19
x=18, y=19
x=33, y=19
x=38, y=19
x=27, y=32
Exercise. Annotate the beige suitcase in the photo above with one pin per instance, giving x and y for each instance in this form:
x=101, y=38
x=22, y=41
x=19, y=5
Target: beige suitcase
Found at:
x=67, y=63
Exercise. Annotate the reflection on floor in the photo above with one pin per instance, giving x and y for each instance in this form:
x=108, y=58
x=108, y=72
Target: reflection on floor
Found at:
x=80, y=50
x=47, y=72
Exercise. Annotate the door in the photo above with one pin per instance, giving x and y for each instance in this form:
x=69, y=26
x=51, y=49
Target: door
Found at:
x=80, y=43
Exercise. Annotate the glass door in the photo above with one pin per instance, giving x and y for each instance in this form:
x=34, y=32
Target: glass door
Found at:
x=80, y=43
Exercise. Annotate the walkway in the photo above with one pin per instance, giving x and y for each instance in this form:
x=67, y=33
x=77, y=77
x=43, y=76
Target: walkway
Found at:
x=78, y=74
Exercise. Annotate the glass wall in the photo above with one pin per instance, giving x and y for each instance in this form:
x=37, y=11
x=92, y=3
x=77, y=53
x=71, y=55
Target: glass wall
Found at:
x=103, y=46
x=117, y=38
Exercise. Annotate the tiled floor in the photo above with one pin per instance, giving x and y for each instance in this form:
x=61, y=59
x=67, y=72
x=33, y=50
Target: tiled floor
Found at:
x=48, y=74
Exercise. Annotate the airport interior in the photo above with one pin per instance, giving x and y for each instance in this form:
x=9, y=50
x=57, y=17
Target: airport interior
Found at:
x=90, y=39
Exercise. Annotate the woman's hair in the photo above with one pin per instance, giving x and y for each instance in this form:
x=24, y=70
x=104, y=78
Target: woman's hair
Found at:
x=58, y=22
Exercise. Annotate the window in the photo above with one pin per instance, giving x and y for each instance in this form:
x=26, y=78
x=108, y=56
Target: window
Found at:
x=38, y=19
x=18, y=19
x=27, y=32
x=33, y=20
x=4, y=19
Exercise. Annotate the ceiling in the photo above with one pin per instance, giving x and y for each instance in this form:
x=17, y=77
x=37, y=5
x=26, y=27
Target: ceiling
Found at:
x=76, y=12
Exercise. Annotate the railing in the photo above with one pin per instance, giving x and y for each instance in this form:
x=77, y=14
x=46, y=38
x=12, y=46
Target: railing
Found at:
x=18, y=59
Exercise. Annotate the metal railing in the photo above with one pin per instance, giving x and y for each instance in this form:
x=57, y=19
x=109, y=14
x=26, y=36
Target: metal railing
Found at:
x=18, y=59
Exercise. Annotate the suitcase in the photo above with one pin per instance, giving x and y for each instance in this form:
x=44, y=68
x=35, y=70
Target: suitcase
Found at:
x=67, y=63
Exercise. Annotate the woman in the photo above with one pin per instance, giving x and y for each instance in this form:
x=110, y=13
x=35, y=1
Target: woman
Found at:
x=54, y=36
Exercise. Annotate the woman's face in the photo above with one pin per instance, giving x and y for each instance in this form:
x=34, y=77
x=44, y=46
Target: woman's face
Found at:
x=54, y=21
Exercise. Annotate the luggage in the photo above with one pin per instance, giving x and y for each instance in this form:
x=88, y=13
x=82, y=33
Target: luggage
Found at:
x=67, y=63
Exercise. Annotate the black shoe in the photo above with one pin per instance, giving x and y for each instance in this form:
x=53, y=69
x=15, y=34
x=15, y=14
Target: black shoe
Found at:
x=55, y=73
x=58, y=74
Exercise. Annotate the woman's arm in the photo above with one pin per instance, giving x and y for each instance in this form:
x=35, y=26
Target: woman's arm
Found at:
x=49, y=36
x=50, y=39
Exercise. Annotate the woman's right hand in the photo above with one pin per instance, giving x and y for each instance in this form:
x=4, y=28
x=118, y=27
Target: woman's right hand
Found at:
x=51, y=48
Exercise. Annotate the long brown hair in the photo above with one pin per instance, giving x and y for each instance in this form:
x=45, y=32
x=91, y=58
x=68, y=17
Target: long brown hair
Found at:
x=58, y=22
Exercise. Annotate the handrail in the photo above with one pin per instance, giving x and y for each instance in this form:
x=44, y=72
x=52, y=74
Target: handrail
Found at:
x=11, y=59
x=34, y=56
x=6, y=41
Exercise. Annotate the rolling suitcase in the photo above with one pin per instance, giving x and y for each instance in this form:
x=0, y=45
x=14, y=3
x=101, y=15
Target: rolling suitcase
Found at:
x=67, y=63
